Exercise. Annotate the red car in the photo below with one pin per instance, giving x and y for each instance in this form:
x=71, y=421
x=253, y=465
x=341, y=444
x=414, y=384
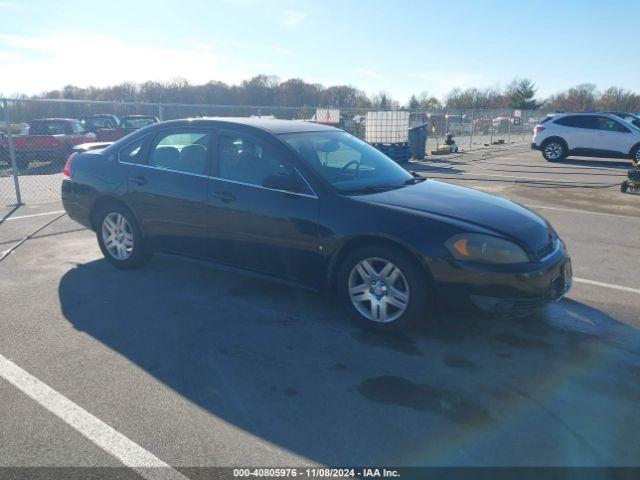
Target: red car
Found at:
x=48, y=139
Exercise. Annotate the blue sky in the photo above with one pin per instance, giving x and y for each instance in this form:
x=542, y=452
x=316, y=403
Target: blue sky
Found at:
x=399, y=46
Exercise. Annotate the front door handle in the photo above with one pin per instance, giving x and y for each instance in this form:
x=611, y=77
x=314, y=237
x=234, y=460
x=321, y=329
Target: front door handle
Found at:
x=226, y=196
x=139, y=180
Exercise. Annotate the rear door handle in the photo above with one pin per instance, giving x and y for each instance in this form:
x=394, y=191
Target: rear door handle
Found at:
x=225, y=196
x=139, y=180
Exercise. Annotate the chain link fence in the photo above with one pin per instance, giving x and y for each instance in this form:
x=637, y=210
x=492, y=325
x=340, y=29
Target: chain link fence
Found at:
x=38, y=135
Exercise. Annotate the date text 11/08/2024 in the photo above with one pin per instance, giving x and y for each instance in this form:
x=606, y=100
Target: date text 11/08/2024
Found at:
x=317, y=472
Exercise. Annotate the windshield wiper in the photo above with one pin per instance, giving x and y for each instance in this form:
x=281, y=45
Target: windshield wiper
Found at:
x=372, y=189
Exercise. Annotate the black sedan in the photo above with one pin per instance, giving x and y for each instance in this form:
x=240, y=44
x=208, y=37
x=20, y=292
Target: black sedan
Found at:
x=313, y=205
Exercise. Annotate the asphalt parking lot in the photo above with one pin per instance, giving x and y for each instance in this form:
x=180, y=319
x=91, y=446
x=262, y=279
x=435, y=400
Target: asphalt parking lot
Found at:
x=197, y=366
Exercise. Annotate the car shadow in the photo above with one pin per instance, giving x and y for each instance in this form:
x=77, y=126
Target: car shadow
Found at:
x=589, y=162
x=286, y=365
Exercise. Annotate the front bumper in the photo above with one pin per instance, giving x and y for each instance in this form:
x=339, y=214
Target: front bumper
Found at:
x=465, y=288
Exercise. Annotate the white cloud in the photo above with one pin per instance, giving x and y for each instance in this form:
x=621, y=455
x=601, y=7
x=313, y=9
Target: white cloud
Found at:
x=290, y=19
x=370, y=73
x=32, y=64
x=4, y=56
x=281, y=50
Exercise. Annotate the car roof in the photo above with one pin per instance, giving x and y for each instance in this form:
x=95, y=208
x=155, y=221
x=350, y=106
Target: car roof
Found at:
x=274, y=126
x=54, y=120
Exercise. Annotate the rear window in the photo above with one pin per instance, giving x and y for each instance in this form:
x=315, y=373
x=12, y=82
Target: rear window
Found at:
x=49, y=128
x=578, y=121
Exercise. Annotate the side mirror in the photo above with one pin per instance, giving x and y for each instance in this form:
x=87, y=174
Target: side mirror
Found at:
x=283, y=181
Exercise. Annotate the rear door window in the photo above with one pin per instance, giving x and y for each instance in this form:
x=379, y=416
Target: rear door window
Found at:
x=181, y=151
x=578, y=121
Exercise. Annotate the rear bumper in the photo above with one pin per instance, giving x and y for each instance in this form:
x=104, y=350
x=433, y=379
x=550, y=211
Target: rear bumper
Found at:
x=466, y=289
x=74, y=208
x=535, y=147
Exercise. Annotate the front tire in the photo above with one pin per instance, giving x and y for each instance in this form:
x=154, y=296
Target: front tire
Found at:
x=383, y=289
x=120, y=238
x=554, y=150
x=635, y=155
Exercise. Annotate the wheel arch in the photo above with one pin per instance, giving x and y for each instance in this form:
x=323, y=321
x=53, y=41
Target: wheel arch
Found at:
x=557, y=139
x=355, y=242
x=634, y=149
x=102, y=202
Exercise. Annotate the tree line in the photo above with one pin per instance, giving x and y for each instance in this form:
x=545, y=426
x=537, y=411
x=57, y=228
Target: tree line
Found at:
x=266, y=90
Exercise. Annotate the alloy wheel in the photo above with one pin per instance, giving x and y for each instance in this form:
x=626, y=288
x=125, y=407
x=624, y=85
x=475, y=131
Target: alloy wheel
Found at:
x=553, y=151
x=378, y=290
x=117, y=236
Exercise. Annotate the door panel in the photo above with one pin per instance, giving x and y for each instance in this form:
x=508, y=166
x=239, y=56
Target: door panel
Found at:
x=612, y=136
x=167, y=185
x=170, y=206
x=255, y=227
x=264, y=230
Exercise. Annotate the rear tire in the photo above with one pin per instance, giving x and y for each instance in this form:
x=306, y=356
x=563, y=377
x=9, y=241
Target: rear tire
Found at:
x=554, y=150
x=383, y=289
x=120, y=238
x=624, y=186
x=22, y=164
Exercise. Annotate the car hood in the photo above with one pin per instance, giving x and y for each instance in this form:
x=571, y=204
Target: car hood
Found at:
x=470, y=206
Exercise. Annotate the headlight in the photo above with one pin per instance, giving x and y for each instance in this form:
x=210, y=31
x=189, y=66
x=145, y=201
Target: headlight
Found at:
x=475, y=247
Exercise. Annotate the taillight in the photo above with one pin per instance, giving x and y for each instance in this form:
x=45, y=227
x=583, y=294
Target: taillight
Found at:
x=66, y=173
x=539, y=129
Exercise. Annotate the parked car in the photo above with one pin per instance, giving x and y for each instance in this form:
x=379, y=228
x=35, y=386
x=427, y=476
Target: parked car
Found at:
x=127, y=125
x=314, y=205
x=586, y=134
x=48, y=139
x=93, y=123
x=627, y=117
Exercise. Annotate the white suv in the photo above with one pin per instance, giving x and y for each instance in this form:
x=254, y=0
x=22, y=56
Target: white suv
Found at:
x=586, y=134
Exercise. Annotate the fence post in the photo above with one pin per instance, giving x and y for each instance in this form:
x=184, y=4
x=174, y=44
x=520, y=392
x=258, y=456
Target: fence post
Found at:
x=12, y=151
x=472, y=128
x=160, y=112
x=509, y=133
x=491, y=129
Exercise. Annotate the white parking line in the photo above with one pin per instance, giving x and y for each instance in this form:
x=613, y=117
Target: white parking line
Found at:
x=606, y=285
x=577, y=210
x=34, y=215
x=129, y=453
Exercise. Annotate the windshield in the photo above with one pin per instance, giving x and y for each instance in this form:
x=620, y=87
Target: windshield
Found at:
x=98, y=122
x=346, y=162
x=137, y=122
